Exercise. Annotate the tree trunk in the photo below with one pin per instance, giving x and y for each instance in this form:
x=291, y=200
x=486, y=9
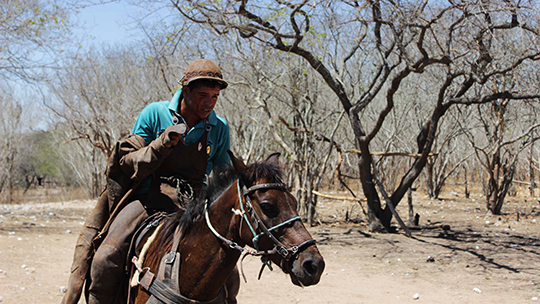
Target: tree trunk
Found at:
x=492, y=195
x=10, y=178
x=531, y=172
x=411, y=207
x=429, y=179
x=484, y=184
x=465, y=182
x=497, y=191
x=29, y=183
x=378, y=219
x=506, y=183
x=309, y=202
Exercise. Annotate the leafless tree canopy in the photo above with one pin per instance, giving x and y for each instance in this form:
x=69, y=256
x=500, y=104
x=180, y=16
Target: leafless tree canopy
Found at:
x=373, y=56
x=31, y=34
x=376, y=96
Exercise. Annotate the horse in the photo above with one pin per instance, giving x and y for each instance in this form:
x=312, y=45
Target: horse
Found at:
x=204, y=243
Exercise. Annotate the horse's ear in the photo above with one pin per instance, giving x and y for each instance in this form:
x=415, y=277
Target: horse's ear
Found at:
x=274, y=158
x=238, y=164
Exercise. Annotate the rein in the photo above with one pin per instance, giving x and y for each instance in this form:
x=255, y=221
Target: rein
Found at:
x=279, y=247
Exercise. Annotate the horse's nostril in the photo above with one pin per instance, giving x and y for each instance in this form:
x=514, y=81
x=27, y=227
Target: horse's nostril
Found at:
x=310, y=267
x=307, y=270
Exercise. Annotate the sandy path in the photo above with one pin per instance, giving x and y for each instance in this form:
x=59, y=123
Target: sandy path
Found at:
x=498, y=256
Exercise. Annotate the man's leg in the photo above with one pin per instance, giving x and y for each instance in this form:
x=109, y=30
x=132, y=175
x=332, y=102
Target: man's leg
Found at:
x=84, y=249
x=109, y=260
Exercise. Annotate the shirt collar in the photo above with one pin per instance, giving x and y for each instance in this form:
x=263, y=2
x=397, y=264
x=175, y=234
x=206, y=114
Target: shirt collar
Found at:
x=174, y=105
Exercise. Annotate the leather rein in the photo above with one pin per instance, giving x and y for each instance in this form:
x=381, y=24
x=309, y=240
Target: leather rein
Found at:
x=254, y=221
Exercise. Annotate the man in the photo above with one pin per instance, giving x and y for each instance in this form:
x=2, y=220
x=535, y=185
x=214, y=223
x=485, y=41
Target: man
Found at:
x=183, y=141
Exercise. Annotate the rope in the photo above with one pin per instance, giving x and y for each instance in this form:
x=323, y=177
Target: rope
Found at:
x=229, y=243
x=182, y=186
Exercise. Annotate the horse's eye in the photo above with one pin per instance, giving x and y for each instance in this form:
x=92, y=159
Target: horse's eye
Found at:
x=269, y=209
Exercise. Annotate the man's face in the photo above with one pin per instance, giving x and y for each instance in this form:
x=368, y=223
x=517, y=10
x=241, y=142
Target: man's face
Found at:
x=201, y=101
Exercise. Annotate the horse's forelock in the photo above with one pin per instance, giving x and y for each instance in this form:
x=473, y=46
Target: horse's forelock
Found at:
x=264, y=170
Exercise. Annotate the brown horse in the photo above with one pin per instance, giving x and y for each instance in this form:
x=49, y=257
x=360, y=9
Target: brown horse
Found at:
x=245, y=206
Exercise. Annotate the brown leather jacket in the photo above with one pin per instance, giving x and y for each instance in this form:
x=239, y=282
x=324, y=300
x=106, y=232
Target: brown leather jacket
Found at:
x=130, y=163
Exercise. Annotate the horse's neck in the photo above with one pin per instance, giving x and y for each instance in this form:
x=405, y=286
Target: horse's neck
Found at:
x=206, y=261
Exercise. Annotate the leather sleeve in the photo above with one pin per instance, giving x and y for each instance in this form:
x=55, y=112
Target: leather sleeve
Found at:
x=138, y=161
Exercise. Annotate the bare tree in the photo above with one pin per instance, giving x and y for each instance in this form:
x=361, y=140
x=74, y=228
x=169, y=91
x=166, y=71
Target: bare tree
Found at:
x=10, y=134
x=449, y=153
x=98, y=97
x=505, y=130
x=31, y=34
x=366, y=53
x=279, y=101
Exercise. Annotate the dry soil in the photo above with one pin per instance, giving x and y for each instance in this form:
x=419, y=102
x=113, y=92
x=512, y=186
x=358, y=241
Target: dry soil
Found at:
x=481, y=259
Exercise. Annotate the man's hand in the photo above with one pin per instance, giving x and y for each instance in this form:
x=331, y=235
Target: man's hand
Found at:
x=173, y=134
x=173, y=140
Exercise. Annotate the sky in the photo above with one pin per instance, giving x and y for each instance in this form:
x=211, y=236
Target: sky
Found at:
x=95, y=26
x=108, y=23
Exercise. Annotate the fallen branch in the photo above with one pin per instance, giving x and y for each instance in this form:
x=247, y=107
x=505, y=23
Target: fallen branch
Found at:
x=389, y=202
x=430, y=227
x=337, y=197
x=391, y=153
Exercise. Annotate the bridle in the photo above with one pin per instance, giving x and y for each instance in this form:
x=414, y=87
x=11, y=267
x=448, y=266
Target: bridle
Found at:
x=254, y=222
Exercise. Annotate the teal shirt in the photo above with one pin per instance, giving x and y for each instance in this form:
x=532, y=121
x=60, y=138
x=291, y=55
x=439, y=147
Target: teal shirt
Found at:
x=157, y=116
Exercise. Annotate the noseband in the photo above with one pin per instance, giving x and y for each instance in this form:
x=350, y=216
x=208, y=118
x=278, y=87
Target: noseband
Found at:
x=256, y=222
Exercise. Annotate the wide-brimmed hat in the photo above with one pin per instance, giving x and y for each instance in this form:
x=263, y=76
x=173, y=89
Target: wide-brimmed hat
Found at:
x=203, y=69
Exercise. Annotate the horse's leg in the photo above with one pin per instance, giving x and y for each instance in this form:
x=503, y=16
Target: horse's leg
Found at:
x=232, y=286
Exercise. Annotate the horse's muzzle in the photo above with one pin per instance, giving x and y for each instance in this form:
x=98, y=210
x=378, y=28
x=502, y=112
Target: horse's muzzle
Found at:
x=307, y=269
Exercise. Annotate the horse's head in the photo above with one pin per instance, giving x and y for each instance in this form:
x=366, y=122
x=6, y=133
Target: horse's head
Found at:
x=272, y=221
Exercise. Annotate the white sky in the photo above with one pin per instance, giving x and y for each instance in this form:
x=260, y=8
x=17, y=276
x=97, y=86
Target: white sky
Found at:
x=108, y=23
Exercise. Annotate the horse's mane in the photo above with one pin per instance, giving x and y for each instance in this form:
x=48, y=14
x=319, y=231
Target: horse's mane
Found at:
x=218, y=183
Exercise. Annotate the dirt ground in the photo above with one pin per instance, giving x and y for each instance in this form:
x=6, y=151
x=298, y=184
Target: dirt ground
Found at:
x=482, y=259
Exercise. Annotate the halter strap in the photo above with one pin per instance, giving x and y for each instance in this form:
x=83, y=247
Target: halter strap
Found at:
x=279, y=247
x=248, y=191
x=229, y=243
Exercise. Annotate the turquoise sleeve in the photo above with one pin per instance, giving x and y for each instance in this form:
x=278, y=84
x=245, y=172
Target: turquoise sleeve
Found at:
x=147, y=123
